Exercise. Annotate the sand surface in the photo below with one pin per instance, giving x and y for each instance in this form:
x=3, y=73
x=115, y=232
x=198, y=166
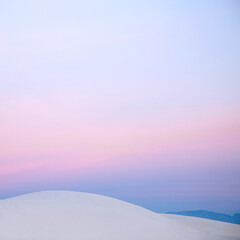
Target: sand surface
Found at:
x=64, y=215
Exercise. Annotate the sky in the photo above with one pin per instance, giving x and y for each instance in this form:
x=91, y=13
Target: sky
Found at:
x=137, y=100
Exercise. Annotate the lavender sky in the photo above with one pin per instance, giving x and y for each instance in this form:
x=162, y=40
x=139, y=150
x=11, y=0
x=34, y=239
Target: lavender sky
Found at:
x=137, y=100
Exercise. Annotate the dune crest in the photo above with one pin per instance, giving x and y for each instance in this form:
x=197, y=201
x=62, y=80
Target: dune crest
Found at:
x=64, y=215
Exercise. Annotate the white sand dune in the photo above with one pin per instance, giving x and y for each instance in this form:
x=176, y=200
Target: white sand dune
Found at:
x=63, y=215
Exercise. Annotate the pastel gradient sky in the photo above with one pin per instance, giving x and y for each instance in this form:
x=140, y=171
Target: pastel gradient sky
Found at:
x=138, y=100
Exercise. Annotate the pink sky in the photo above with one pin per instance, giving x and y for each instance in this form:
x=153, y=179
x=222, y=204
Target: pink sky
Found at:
x=122, y=99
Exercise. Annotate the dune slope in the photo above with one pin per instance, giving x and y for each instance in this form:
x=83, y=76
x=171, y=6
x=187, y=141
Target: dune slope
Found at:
x=64, y=215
